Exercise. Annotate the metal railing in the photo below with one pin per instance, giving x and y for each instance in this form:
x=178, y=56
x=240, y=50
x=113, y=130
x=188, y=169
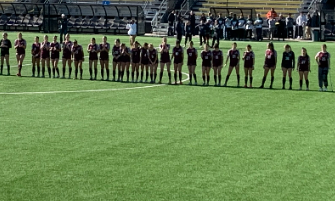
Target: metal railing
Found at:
x=185, y=6
x=155, y=20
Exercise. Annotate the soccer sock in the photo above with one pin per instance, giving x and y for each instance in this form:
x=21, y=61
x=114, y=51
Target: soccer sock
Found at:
x=1, y=69
x=76, y=72
x=38, y=70
x=220, y=78
x=180, y=76
x=20, y=68
x=91, y=72
x=118, y=75
x=151, y=77
x=272, y=79
x=227, y=78
x=137, y=75
x=291, y=81
x=95, y=73
x=70, y=71
x=251, y=80
x=246, y=80
x=263, y=81
x=53, y=71
x=132, y=75
x=190, y=76
x=160, y=76
x=102, y=73
x=128, y=75
x=300, y=83
x=175, y=77
x=307, y=83
x=284, y=81
x=215, y=79
x=169, y=74
x=195, y=77
x=107, y=72
x=121, y=75
x=8, y=69
x=33, y=70
x=81, y=73
x=64, y=70
x=49, y=71
x=155, y=76
x=43, y=71
x=146, y=75
x=208, y=78
x=114, y=74
x=57, y=70
x=238, y=80
x=204, y=78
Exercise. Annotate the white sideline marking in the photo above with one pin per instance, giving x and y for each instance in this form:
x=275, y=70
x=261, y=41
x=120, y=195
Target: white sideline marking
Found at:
x=88, y=90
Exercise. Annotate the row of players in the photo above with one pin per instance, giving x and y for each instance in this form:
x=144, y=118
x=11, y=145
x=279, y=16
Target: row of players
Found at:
x=146, y=56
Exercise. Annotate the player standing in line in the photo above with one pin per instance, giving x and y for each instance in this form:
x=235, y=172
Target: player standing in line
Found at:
x=249, y=62
x=165, y=59
x=67, y=55
x=136, y=57
x=125, y=61
x=206, y=56
x=116, y=51
x=35, y=59
x=104, y=48
x=20, y=46
x=217, y=64
x=304, y=68
x=192, y=56
x=153, y=63
x=45, y=55
x=55, y=49
x=234, y=62
x=288, y=64
x=144, y=62
x=92, y=50
x=5, y=46
x=78, y=58
x=269, y=64
x=323, y=60
x=178, y=56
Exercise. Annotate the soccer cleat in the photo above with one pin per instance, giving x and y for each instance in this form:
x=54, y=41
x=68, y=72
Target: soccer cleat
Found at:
x=44, y=76
x=81, y=78
x=57, y=76
x=190, y=83
x=8, y=74
x=91, y=78
x=261, y=87
x=170, y=82
x=19, y=75
x=203, y=84
x=245, y=86
x=300, y=89
x=33, y=75
x=250, y=86
x=320, y=89
x=113, y=80
x=180, y=83
x=62, y=77
x=102, y=79
x=290, y=88
x=283, y=88
x=160, y=82
x=195, y=83
x=325, y=89
x=141, y=81
x=307, y=89
x=224, y=85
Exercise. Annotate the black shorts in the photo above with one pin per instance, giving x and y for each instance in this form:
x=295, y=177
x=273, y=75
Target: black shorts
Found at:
x=3, y=53
x=193, y=63
x=287, y=67
x=303, y=69
x=145, y=62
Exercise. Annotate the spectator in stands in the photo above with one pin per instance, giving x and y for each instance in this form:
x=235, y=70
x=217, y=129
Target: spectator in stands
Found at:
x=191, y=19
x=210, y=19
x=272, y=27
x=301, y=20
x=63, y=27
x=234, y=27
x=188, y=32
x=216, y=38
x=271, y=14
x=179, y=30
x=220, y=21
x=171, y=19
x=259, y=27
x=203, y=18
x=249, y=27
x=241, y=27
x=227, y=26
x=281, y=27
x=308, y=27
x=289, y=26
x=202, y=32
x=132, y=31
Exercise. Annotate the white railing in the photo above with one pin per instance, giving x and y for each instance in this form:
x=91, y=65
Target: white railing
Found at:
x=184, y=7
x=155, y=20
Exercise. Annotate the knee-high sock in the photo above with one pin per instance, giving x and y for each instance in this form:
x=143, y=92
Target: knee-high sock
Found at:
x=307, y=83
x=118, y=75
x=53, y=71
x=81, y=73
x=70, y=71
x=272, y=79
x=76, y=72
x=8, y=69
x=33, y=70
x=107, y=72
x=175, y=77
x=91, y=72
x=195, y=77
x=160, y=76
x=169, y=74
x=220, y=78
x=151, y=77
x=57, y=70
x=142, y=73
x=204, y=78
x=64, y=71
x=263, y=81
x=95, y=73
x=49, y=71
x=251, y=80
x=238, y=79
x=102, y=72
x=246, y=80
x=155, y=76
x=43, y=71
x=291, y=81
x=208, y=78
x=1, y=69
x=137, y=75
x=300, y=83
x=132, y=75
x=114, y=73
x=227, y=78
x=146, y=75
x=284, y=81
x=180, y=76
x=215, y=79
x=38, y=70
x=128, y=75
x=190, y=76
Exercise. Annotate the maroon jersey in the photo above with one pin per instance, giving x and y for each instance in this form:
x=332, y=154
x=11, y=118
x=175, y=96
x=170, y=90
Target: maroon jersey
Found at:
x=116, y=51
x=144, y=56
x=233, y=57
x=323, y=59
x=45, y=50
x=178, y=54
x=78, y=53
x=20, y=50
x=206, y=58
x=249, y=59
x=104, y=54
x=303, y=63
x=270, y=58
x=124, y=56
x=67, y=49
x=136, y=55
x=36, y=49
x=192, y=56
x=152, y=56
x=93, y=51
x=55, y=52
x=165, y=56
x=217, y=58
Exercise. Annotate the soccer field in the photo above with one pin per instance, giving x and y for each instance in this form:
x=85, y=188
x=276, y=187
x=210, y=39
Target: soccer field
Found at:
x=83, y=140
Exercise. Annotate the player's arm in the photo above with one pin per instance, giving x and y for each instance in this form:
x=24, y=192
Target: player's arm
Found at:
x=182, y=57
x=283, y=59
x=238, y=58
x=196, y=54
x=88, y=48
x=24, y=45
x=228, y=55
x=275, y=59
x=32, y=49
x=317, y=58
x=172, y=55
x=83, y=54
x=309, y=65
x=293, y=60
x=298, y=65
x=9, y=44
x=328, y=60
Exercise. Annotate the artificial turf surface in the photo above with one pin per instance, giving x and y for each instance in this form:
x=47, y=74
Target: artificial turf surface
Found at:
x=165, y=142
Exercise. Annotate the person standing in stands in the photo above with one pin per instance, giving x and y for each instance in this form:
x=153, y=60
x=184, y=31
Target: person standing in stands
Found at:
x=188, y=32
x=63, y=27
x=323, y=60
x=132, y=31
x=301, y=20
x=227, y=27
x=202, y=32
x=179, y=30
x=259, y=27
x=281, y=27
x=271, y=14
x=220, y=21
x=289, y=26
x=272, y=27
x=203, y=18
x=216, y=34
x=249, y=27
x=192, y=22
x=234, y=27
x=308, y=27
x=241, y=27
x=171, y=19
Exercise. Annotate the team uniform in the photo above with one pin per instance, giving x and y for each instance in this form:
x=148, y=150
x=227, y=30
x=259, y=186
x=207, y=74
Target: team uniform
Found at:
x=45, y=51
x=67, y=49
x=93, y=51
x=36, y=50
x=303, y=62
x=178, y=55
x=136, y=55
x=55, y=53
x=191, y=57
x=233, y=57
x=270, y=58
x=217, y=58
x=324, y=58
x=144, y=56
x=116, y=52
x=78, y=53
x=104, y=55
x=249, y=59
x=125, y=57
x=5, y=50
x=152, y=54
x=288, y=59
x=206, y=58
x=165, y=56
x=20, y=50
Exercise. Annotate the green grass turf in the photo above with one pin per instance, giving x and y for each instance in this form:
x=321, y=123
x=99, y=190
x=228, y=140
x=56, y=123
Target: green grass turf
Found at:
x=166, y=142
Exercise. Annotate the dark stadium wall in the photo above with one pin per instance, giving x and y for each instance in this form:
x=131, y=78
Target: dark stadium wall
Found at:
x=328, y=4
